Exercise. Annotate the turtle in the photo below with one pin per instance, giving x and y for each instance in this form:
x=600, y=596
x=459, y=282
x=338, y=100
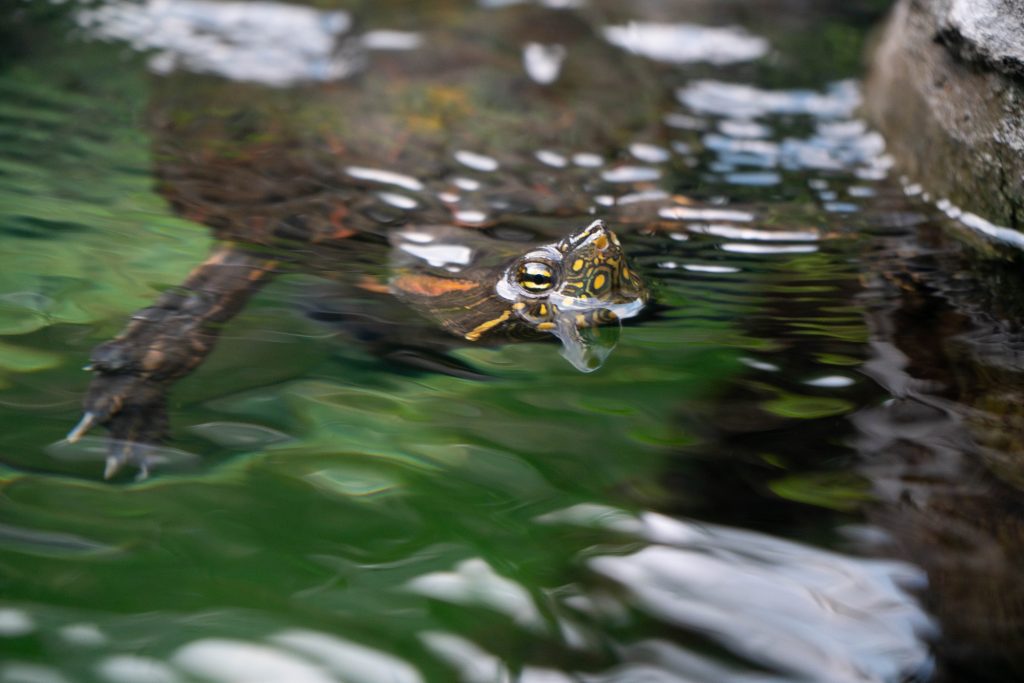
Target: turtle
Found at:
x=438, y=178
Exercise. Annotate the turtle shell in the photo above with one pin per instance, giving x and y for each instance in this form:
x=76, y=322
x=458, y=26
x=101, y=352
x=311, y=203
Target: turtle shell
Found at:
x=442, y=143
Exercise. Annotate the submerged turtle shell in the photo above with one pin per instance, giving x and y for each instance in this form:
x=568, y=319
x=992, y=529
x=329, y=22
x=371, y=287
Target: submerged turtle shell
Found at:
x=446, y=134
x=251, y=161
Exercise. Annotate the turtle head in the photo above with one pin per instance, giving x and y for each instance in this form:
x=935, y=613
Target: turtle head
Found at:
x=577, y=289
x=573, y=287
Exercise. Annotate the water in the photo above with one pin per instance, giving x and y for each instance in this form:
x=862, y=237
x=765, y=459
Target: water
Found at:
x=800, y=465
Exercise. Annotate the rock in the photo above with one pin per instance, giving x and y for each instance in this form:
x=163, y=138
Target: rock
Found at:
x=946, y=87
x=988, y=31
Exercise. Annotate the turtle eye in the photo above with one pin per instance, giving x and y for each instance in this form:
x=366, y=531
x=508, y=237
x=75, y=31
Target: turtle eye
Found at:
x=535, y=276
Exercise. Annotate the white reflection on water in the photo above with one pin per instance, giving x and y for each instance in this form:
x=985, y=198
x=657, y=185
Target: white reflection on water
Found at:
x=135, y=669
x=474, y=582
x=377, y=175
x=15, y=623
x=392, y=40
x=802, y=611
x=717, y=270
x=399, y=201
x=743, y=248
x=264, y=42
x=222, y=660
x=661, y=661
x=641, y=197
x=738, y=100
x=587, y=160
x=476, y=665
x=834, y=142
x=825, y=151
x=83, y=635
x=353, y=662
x=552, y=4
x=734, y=232
x=23, y=672
x=687, y=213
x=831, y=381
x=467, y=184
x=753, y=178
x=975, y=222
x=651, y=154
x=543, y=63
x=759, y=364
x=765, y=152
x=684, y=122
x=631, y=174
x=687, y=43
x=471, y=217
x=737, y=128
x=476, y=161
x=546, y=156
x=439, y=255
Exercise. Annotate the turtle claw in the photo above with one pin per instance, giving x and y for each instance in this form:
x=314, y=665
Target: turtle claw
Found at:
x=88, y=421
x=112, y=467
x=123, y=454
x=133, y=410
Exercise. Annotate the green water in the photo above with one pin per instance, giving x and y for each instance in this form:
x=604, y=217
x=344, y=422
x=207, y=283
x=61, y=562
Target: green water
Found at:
x=726, y=499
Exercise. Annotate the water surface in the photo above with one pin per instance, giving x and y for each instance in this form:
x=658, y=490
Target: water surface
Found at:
x=801, y=465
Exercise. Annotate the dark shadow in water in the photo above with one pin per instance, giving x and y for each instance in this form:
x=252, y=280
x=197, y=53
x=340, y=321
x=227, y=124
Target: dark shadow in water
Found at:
x=944, y=453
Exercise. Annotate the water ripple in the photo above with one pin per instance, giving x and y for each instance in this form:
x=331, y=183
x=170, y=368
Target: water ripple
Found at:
x=810, y=613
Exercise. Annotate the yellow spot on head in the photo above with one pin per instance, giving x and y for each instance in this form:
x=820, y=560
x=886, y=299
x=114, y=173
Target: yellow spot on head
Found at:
x=601, y=242
x=577, y=265
x=543, y=309
x=599, y=281
x=475, y=333
x=544, y=327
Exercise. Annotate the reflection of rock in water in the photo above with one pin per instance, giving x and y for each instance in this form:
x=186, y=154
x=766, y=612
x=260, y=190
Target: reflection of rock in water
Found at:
x=944, y=453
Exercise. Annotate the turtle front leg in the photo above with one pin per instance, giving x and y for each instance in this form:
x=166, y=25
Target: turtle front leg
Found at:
x=163, y=343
